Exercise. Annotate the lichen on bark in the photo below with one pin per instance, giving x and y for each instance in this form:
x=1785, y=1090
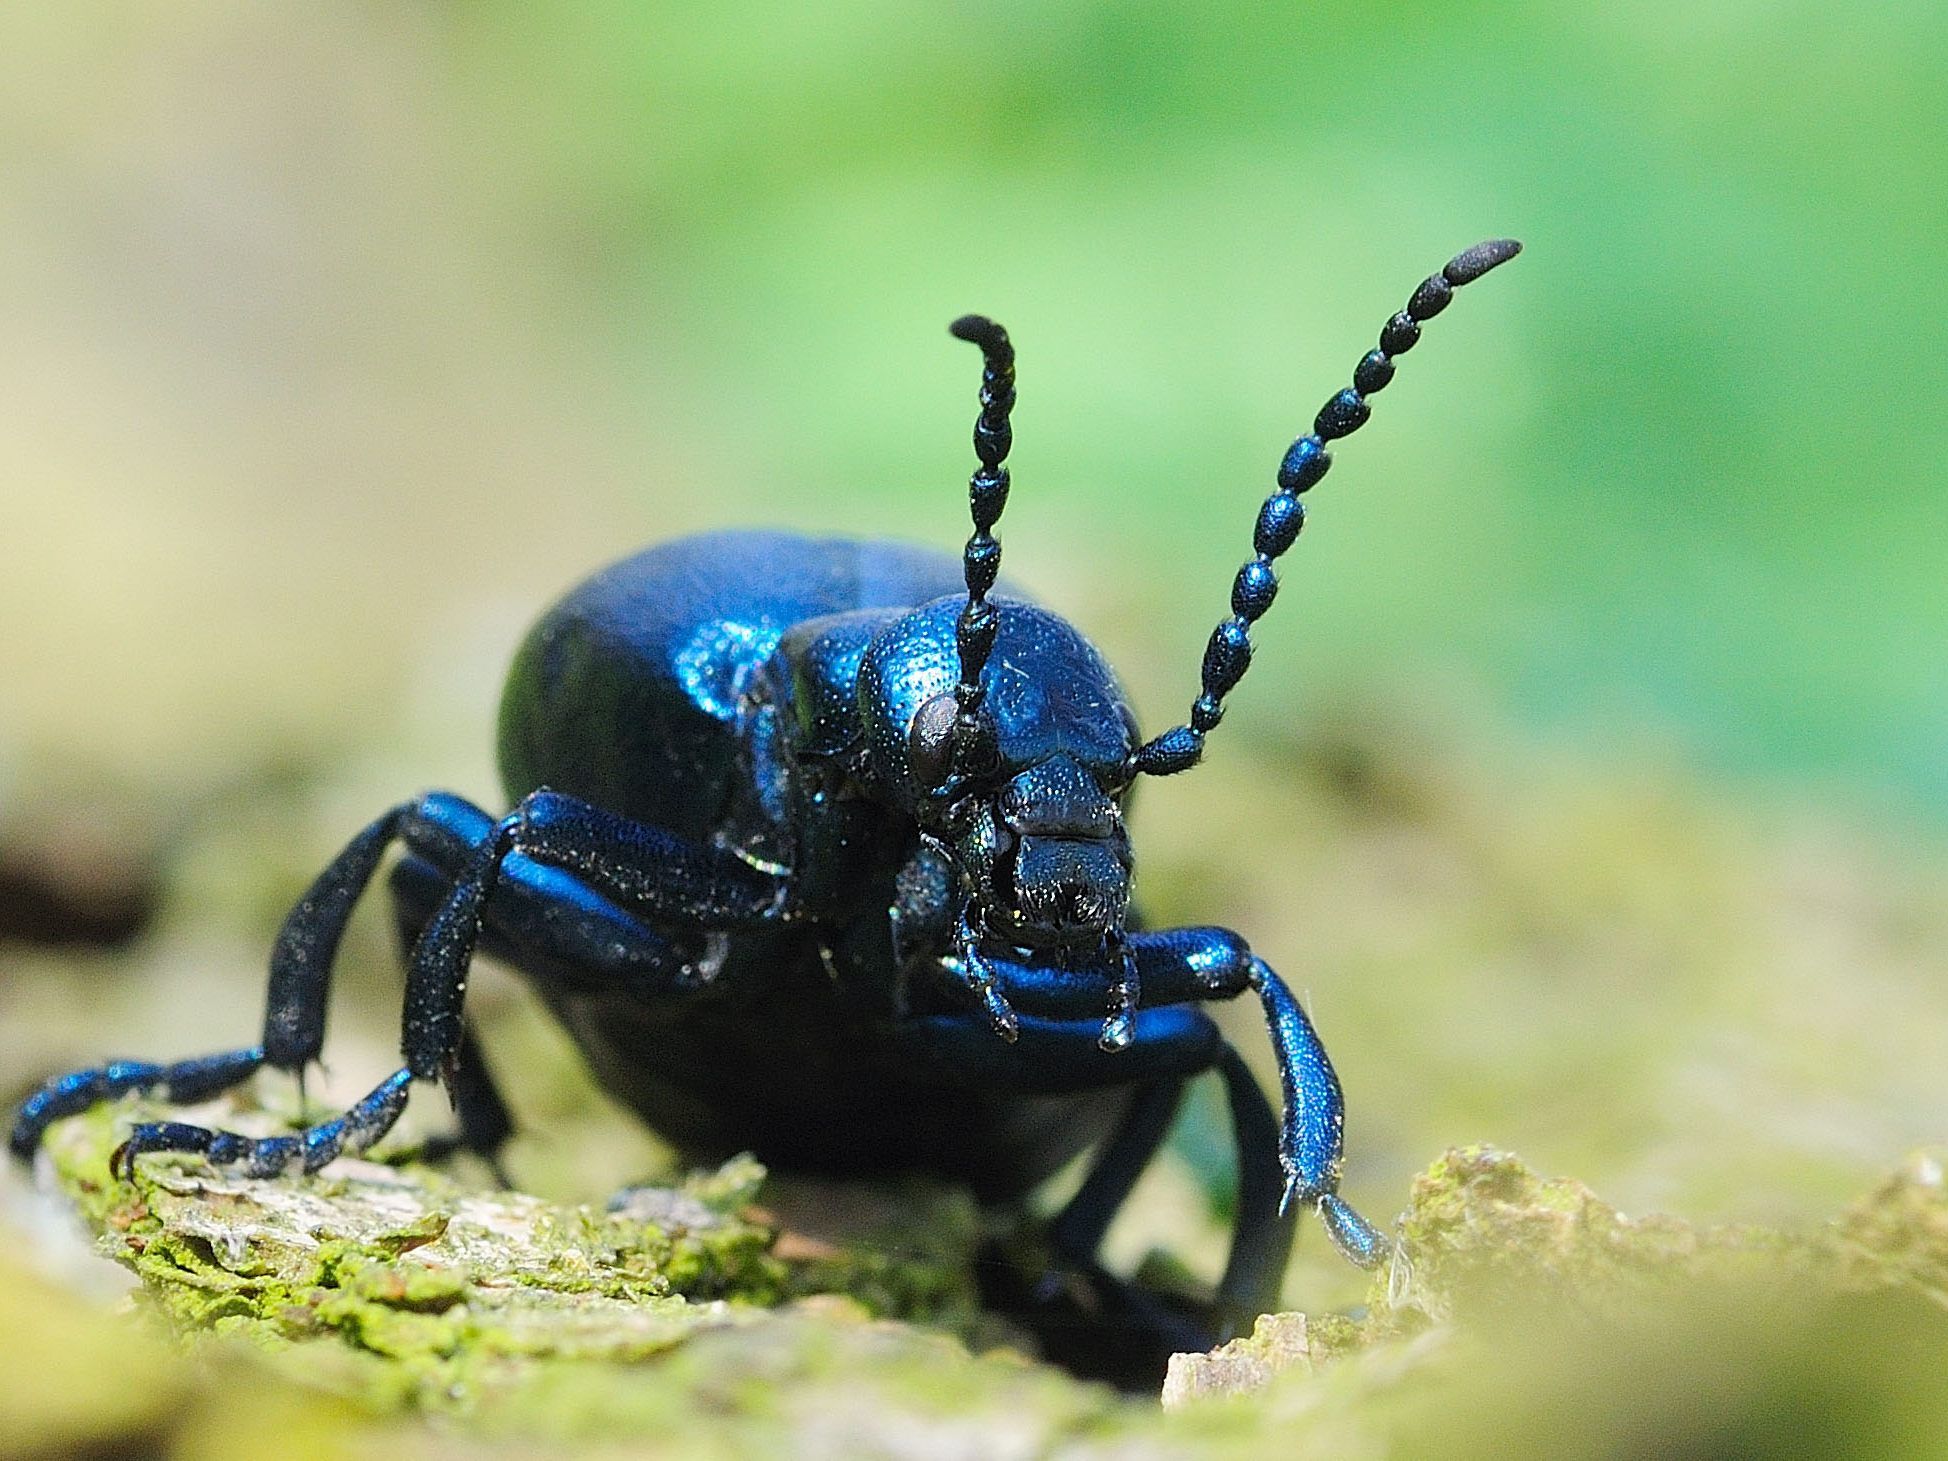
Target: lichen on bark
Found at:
x=728, y=1314
x=405, y=1285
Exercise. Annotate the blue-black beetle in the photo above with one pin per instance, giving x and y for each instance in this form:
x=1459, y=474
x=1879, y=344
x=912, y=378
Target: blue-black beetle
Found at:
x=818, y=851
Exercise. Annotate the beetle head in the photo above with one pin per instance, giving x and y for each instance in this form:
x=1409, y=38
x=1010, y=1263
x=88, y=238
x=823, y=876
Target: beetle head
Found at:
x=1025, y=793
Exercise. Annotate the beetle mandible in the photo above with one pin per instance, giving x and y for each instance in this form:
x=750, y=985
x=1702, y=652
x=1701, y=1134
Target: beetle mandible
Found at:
x=817, y=849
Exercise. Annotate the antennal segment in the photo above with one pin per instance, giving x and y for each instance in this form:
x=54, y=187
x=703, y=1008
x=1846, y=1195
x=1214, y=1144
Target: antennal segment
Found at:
x=987, y=495
x=1228, y=654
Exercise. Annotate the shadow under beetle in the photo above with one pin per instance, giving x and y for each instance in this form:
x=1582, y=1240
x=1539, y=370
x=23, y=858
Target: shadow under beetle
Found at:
x=818, y=851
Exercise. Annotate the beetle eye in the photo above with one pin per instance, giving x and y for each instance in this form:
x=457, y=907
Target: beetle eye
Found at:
x=930, y=743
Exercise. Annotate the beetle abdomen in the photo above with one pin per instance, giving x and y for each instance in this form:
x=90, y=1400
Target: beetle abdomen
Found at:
x=783, y=1069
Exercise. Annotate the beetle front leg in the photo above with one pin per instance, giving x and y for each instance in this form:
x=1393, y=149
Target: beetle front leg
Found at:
x=1190, y=965
x=1214, y=963
x=1312, y=1131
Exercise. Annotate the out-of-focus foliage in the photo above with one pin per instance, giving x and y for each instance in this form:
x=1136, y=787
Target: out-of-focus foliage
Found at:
x=336, y=340
x=1539, y=1321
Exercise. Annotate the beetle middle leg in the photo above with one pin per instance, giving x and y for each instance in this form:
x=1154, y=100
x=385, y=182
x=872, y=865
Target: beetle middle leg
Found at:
x=545, y=921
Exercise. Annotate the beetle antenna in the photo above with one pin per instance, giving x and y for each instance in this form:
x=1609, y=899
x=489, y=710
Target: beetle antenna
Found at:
x=987, y=495
x=1228, y=654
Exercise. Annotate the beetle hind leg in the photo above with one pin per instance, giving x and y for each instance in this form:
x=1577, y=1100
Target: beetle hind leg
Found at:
x=1261, y=1238
x=1079, y=1229
x=1086, y=1318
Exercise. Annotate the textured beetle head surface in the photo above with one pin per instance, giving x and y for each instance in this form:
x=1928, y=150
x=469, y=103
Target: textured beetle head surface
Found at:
x=1032, y=821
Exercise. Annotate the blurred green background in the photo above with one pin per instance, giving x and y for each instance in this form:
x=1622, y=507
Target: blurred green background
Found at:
x=1593, y=773
x=328, y=331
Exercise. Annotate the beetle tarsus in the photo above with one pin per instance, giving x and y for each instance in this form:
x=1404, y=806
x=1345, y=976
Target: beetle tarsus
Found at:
x=355, y=1130
x=185, y=1082
x=1358, y=1241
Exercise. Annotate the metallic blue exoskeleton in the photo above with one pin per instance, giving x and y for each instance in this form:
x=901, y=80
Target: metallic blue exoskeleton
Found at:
x=817, y=849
